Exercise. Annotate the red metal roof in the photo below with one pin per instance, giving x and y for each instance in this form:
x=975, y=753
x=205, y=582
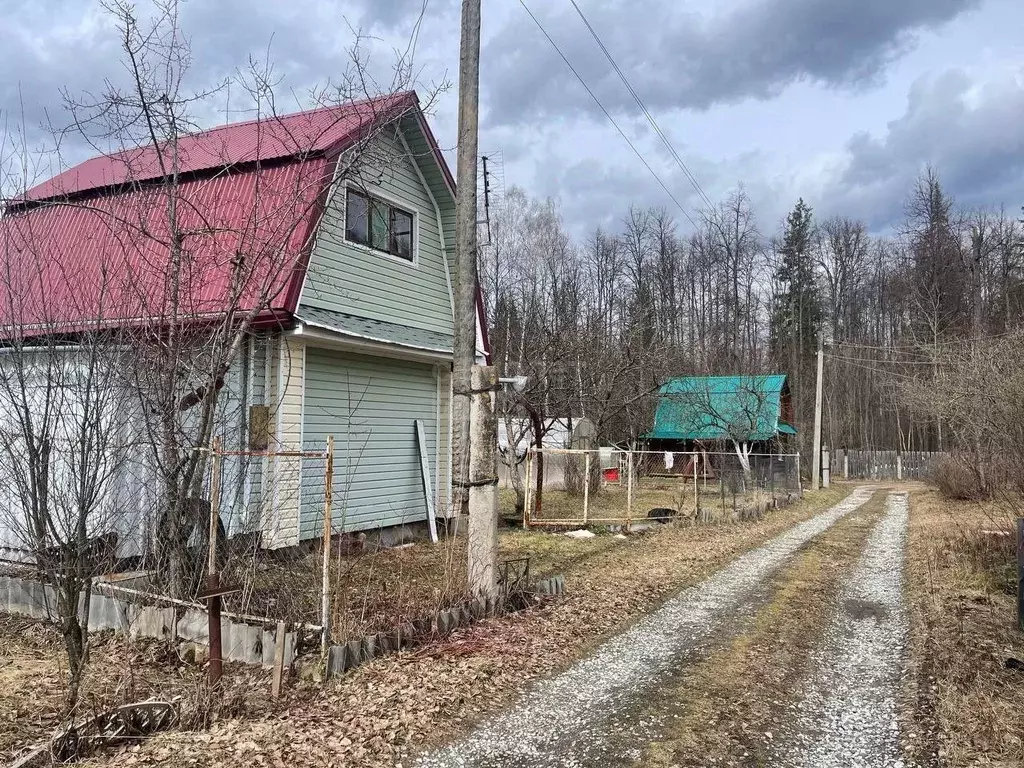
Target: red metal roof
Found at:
x=93, y=247
x=297, y=135
x=107, y=260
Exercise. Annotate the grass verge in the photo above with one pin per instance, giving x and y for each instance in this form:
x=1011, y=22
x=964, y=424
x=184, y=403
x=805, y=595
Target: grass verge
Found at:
x=965, y=692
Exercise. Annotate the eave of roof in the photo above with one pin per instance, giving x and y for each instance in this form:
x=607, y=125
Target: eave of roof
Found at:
x=377, y=331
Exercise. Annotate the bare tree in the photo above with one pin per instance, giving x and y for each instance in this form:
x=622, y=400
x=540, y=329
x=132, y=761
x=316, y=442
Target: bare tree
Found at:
x=200, y=278
x=65, y=436
x=187, y=280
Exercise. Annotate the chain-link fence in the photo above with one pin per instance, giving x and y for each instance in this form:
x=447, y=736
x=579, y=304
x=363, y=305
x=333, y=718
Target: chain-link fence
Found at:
x=617, y=487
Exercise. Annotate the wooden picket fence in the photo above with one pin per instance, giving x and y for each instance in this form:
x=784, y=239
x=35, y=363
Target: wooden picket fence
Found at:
x=887, y=465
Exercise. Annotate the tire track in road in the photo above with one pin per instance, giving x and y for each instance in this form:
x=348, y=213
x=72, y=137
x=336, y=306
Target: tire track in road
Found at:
x=573, y=719
x=849, y=714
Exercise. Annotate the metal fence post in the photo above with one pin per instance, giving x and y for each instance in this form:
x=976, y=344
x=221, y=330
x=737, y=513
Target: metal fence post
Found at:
x=1020, y=574
x=586, y=487
x=629, y=488
x=696, y=490
x=212, y=576
x=528, y=494
x=325, y=587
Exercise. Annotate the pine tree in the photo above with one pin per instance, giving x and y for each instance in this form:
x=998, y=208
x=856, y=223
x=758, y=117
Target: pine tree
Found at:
x=796, y=314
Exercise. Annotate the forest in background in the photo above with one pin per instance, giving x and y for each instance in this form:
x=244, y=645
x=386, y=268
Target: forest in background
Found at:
x=598, y=323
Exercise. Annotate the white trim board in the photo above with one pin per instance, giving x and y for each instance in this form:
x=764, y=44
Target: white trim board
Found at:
x=329, y=338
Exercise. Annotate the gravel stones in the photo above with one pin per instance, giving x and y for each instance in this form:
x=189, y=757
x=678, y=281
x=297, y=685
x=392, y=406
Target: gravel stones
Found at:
x=849, y=713
x=570, y=719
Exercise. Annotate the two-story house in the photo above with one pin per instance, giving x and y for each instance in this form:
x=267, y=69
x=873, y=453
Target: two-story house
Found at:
x=354, y=333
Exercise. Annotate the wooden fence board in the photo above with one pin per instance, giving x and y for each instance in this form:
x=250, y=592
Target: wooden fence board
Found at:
x=887, y=465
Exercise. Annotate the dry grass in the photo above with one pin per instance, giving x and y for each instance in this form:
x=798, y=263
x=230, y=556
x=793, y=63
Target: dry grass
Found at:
x=385, y=710
x=729, y=701
x=33, y=682
x=377, y=589
x=963, y=629
x=609, y=503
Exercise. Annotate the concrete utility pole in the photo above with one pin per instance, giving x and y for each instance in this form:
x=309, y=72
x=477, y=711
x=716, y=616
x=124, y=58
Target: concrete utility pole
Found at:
x=483, y=484
x=816, y=448
x=465, y=247
x=475, y=387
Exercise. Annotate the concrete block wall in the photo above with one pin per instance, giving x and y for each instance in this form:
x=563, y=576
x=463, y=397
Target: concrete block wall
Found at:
x=241, y=641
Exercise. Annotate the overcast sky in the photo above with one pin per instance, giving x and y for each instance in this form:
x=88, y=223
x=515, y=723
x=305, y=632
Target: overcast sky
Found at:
x=839, y=101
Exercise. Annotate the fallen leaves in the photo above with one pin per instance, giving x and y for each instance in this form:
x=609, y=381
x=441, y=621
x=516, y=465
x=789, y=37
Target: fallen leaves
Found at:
x=391, y=708
x=966, y=702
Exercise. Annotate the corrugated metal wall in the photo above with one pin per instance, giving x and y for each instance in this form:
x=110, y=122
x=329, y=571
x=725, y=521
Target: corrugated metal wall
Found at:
x=370, y=405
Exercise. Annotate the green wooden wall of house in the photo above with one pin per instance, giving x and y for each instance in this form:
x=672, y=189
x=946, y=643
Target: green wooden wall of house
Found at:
x=370, y=405
x=355, y=280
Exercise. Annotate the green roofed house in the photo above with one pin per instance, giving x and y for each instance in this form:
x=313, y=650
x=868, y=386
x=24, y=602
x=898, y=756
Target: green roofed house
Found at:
x=748, y=415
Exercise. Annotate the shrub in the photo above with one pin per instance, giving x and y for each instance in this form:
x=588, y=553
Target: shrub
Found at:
x=956, y=478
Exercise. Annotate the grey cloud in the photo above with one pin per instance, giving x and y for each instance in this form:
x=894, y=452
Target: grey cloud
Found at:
x=596, y=192
x=971, y=135
x=677, y=59
x=54, y=44
x=310, y=37
x=39, y=57
x=969, y=132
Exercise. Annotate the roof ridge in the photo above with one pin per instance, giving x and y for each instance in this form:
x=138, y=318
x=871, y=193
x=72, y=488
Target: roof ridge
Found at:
x=272, y=137
x=241, y=123
x=289, y=115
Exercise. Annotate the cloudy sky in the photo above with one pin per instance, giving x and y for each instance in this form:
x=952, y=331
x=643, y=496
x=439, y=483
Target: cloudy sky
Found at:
x=839, y=101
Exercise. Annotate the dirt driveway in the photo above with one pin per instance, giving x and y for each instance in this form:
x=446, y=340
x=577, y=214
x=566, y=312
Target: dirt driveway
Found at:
x=630, y=702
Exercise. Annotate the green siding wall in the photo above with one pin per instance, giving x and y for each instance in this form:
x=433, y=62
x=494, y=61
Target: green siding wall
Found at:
x=438, y=185
x=369, y=404
x=348, y=278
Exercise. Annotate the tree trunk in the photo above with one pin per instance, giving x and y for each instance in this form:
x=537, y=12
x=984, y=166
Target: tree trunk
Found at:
x=75, y=632
x=538, y=443
x=743, y=453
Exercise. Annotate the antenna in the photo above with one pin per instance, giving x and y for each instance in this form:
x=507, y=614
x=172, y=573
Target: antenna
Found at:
x=487, y=201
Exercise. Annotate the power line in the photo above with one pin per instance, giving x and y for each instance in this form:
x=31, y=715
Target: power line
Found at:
x=608, y=114
x=882, y=371
x=643, y=108
x=877, y=361
x=925, y=348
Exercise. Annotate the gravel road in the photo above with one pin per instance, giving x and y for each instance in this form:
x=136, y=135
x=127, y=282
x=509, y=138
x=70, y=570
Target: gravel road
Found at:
x=848, y=716
x=576, y=719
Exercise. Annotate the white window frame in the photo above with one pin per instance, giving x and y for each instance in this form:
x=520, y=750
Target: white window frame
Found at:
x=390, y=200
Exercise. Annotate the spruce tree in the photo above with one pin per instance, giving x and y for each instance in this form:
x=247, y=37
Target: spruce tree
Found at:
x=796, y=314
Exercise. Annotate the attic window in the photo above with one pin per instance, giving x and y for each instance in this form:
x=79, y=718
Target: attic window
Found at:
x=378, y=225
